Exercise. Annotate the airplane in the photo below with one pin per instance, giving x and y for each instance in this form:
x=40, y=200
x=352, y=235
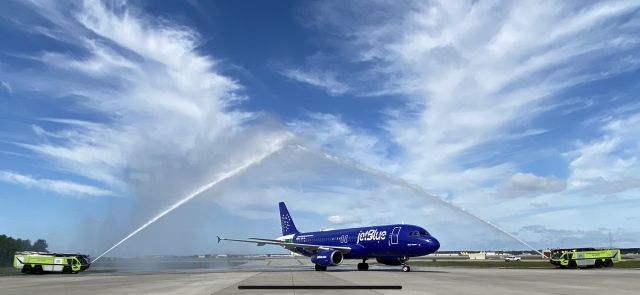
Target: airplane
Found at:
x=389, y=244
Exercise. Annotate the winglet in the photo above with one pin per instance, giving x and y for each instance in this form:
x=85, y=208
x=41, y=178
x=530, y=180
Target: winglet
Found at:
x=219, y=239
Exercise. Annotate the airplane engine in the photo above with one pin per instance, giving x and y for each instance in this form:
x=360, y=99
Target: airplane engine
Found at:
x=328, y=258
x=390, y=260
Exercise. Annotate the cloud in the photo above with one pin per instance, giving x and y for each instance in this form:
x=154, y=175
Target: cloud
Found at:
x=473, y=81
x=527, y=184
x=474, y=75
x=324, y=80
x=608, y=164
x=6, y=86
x=330, y=132
x=159, y=117
x=63, y=187
x=343, y=219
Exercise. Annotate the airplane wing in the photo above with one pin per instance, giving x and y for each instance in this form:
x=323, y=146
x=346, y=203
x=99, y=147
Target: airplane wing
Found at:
x=308, y=247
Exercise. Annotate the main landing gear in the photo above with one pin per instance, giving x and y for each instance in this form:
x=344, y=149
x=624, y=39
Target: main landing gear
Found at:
x=320, y=267
x=364, y=265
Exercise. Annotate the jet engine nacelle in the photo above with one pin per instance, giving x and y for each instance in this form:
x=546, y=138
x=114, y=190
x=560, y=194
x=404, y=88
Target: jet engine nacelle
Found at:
x=328, y=258
x=390, y=260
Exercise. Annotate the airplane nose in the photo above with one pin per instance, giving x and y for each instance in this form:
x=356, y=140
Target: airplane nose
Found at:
x=433, y=243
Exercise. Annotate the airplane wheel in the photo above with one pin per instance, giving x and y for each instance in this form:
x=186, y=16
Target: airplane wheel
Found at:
x=366, y=266
x=318, y=267
x=406, y=268
x=363, y=266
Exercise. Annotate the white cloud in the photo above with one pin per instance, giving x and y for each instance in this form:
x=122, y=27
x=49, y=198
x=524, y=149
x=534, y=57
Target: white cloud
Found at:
x=609, y=164
x=6, y=86
x=527, y=184
x=332, y=133
x=160, y=119
x=324, y=80
x=475, y=73
x=343, y=219
x=63, y=187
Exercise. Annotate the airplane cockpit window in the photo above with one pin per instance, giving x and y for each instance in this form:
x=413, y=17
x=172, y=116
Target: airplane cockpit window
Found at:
x=424, y=233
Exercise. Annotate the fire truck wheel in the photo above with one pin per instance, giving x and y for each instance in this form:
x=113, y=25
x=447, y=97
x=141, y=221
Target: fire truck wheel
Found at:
x=37, y=269
x=26, y=269
x=598, y=263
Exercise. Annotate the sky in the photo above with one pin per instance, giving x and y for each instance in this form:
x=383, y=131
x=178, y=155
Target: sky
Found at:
x=454, y=115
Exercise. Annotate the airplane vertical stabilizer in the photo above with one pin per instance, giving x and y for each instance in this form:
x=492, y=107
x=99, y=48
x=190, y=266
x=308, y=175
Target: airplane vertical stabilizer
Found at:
x=288, y=227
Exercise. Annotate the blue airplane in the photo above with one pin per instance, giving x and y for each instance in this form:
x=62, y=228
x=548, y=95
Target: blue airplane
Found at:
x=389, y=244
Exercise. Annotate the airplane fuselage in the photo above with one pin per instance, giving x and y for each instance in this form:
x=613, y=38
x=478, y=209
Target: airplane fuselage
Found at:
x=396, y=240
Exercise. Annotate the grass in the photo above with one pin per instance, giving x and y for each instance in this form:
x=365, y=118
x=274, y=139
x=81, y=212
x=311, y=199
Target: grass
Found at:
x=8, y=270
x=503, y=264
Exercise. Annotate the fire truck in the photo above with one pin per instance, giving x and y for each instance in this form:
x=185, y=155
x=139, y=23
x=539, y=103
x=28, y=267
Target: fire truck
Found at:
x=41, y=262
x=585, y=257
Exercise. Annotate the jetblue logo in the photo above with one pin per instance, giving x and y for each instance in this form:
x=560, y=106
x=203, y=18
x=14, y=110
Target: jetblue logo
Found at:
x=372, y=235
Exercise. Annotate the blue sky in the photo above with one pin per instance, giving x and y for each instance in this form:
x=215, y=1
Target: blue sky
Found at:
x=523, y=113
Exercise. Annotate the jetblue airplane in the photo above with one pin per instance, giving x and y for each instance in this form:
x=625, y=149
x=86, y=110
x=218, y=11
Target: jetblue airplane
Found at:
x=388, y=244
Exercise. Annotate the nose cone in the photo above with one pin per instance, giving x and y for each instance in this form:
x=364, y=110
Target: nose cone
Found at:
x=433, y=244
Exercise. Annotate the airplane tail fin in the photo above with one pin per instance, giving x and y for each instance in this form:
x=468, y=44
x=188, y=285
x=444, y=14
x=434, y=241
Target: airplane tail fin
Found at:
x=288, y=227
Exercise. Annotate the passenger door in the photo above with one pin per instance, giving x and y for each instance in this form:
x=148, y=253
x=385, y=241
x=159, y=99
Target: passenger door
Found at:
x=395, y=235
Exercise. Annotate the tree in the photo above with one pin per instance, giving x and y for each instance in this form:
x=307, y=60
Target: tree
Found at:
x=9, y=246
x=40, y=245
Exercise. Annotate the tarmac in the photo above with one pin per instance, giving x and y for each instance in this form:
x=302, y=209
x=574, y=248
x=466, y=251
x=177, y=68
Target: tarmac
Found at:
x=285, y=273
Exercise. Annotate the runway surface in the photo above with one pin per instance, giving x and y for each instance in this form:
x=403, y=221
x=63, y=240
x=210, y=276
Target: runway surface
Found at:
x=294, y=272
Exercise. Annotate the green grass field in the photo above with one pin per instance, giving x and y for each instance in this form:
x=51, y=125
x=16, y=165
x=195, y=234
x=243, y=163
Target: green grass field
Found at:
x=504, y=264
x=8, y=270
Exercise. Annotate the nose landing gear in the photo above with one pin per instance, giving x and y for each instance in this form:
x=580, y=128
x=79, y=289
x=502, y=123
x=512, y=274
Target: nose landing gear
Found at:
x=405, y=265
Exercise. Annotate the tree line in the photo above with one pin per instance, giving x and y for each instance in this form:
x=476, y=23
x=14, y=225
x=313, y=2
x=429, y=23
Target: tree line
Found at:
x=9, y=246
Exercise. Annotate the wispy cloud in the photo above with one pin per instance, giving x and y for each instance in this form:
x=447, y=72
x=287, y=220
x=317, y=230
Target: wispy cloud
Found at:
x=527, y=184
x=476, y=72
x=475, y=75
x=160, y=119
x=324, y=80
x=608, y=164
x=343, y=219
x=6, y=86
x=63, y=187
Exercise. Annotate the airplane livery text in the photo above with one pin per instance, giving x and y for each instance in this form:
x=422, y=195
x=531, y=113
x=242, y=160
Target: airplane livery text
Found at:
x=372, y=235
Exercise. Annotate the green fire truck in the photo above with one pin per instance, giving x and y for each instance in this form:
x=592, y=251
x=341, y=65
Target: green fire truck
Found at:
x=41, y=262
x=582, y=258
